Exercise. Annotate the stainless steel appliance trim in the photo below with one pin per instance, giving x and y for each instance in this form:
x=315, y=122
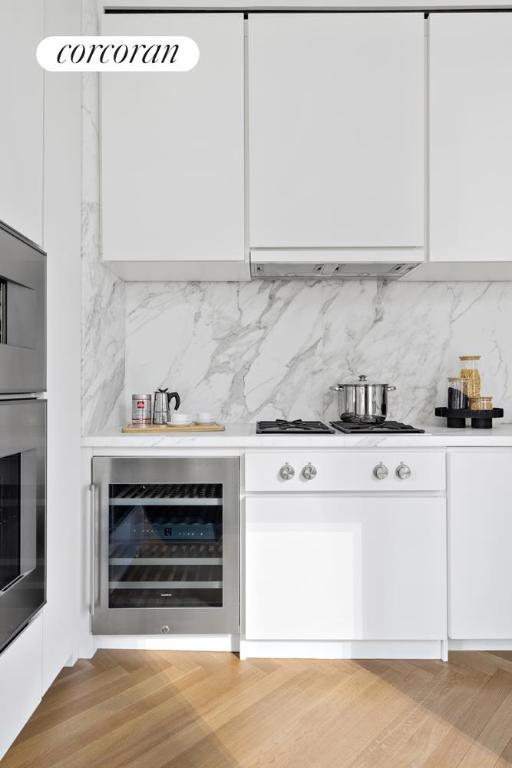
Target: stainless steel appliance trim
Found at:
x=166, y=585
x=14, y=233
x=3, y=311
x=165, y=561
x=92, y=565
x=15, y=580
x=139, y=502
x=177, y=471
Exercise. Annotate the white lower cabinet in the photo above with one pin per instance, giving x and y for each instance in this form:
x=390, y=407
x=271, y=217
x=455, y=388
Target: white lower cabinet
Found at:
x=480, y=544
x=345, y=568
x=21, y=671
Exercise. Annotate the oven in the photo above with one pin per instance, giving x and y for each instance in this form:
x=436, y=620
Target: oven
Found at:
x=165, y=545
x=22, y=513
x=22, y=314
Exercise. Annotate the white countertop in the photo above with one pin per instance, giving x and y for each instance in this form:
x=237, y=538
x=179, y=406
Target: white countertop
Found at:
x=238, y=436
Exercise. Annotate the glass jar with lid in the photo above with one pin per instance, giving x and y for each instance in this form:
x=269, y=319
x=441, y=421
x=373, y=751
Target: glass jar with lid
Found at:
x=481, y=403
x=457, y=398
x=470, y=374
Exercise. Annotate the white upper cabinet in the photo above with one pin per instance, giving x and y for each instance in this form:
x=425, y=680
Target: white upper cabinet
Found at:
x=471, y=137
x=172, y=151
x=21, y=124
x=336, y=131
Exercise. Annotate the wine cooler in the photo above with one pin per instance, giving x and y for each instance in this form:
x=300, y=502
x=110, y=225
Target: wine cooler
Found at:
x=164, y=545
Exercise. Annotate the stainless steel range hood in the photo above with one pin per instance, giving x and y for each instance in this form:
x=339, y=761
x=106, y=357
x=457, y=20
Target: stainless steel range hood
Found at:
x=330, y=270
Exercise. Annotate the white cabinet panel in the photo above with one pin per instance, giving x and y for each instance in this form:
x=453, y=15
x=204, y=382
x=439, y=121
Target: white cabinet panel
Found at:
x=470, y=136
x=345, y=568
x=336, y=130
x=21, y=667
x=480, y=544
x=172, y=164
x=345, y=471
x=62, y=232
x=21, y=124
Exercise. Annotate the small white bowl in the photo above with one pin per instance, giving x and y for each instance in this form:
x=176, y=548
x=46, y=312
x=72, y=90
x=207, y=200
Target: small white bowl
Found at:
x=203, y=417
x=180, y=419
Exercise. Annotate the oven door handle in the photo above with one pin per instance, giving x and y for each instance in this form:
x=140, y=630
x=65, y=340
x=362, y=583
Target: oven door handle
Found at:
x=16, y=579
x=93, y=565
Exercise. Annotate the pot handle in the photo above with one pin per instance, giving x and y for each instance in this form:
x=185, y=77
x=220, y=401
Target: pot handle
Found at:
x=391, y=388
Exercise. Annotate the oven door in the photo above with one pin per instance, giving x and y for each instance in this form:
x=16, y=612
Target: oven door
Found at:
x=22, y=513
x=22, y=314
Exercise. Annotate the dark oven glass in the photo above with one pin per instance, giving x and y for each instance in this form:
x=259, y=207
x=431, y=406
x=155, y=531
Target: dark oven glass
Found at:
x=166, y=545
x=22, y=314
x=10, y=519
x=22, y=513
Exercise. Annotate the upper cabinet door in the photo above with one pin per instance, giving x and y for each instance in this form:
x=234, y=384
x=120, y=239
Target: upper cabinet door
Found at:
x=172, y=146
x=21, y=123
x=336, y=130
x=470, y=136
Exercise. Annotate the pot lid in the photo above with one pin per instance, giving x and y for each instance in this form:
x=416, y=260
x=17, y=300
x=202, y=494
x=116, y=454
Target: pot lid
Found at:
x=362, y=382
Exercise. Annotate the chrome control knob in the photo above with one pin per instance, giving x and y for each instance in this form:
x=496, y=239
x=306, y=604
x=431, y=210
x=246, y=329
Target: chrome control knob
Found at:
x=403, y=472
x=309, y=472
x=286, y=472
x=381, y=471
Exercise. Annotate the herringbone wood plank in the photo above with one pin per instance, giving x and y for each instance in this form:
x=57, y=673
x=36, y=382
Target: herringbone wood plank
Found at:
x=160, y=709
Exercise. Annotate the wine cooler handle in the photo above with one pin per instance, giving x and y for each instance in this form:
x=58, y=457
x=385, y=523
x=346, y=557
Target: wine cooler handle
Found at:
x=92, y=599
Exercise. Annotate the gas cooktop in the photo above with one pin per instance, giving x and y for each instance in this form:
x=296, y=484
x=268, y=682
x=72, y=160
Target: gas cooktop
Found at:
x=385, y=427
x=297, y=427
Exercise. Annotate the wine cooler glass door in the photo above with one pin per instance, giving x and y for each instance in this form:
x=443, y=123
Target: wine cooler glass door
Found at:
x=166, y=545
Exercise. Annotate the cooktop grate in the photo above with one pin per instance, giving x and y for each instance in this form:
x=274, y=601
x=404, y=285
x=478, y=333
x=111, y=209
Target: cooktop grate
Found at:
x=296, y=427
x=385, y=427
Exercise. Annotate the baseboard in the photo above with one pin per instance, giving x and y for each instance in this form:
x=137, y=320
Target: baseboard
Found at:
x=480, y=645
x=175, y=643
x=337, y=649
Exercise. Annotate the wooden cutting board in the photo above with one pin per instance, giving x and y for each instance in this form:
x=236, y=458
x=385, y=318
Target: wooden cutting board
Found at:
x=145, y=429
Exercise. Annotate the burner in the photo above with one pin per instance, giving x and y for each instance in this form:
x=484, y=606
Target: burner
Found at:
x=385, y=427
x=297, y=427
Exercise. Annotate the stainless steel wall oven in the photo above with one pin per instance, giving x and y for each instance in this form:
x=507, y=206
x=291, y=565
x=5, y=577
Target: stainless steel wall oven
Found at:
x=22, y=432
x=22, y=513
x=22, y=314
x=165, y=545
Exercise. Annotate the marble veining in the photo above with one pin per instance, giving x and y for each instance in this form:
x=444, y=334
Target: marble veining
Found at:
x=103, y=302
x=256, y=350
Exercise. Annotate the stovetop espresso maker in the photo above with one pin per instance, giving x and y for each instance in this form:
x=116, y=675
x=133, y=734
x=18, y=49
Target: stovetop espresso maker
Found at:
x=163, y=405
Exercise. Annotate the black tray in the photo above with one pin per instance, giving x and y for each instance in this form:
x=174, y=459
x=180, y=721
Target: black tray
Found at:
x=456, y=417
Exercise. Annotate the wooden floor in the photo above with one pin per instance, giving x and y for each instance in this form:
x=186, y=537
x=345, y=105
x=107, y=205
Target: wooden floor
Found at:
x=148, y=709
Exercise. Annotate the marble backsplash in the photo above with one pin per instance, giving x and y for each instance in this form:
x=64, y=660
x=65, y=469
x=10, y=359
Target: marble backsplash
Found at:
x=247, y=351
x=103, y=301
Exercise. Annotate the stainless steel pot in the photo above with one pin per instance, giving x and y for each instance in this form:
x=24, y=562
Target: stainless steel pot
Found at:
x=363, y=403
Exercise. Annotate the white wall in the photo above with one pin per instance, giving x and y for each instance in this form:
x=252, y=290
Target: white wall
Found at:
x=51, y=177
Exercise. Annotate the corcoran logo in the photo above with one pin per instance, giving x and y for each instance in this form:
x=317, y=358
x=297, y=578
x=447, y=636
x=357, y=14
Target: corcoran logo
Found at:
x=97, y=53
